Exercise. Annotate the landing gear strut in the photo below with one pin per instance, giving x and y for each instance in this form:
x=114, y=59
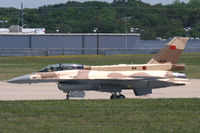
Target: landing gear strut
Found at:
x=115, y=96
x=67, y=96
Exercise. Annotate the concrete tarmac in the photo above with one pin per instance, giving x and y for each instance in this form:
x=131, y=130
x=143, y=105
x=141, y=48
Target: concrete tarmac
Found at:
x=49, y=91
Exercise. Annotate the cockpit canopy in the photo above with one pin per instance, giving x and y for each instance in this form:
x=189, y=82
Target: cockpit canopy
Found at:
x=60, y=67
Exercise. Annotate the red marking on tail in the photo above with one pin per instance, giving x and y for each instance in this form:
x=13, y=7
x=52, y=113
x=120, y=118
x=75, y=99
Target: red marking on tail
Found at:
x=172, y=47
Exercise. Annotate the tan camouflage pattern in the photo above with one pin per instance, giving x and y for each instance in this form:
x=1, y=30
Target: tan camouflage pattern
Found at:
x=99, y=75
x=139, y=67
x=159, y=68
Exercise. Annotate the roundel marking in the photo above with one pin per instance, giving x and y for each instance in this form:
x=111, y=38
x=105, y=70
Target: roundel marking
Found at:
x=144, y=67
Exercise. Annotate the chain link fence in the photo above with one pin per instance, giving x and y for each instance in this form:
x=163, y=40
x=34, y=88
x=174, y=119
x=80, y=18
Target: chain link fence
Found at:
x=82, y=51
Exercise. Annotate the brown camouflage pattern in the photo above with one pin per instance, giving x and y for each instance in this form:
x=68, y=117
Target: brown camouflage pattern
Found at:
x=98, y=75
x=159, y=67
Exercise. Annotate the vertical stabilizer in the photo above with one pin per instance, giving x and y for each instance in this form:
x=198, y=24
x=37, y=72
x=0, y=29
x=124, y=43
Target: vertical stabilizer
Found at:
x=171, y=52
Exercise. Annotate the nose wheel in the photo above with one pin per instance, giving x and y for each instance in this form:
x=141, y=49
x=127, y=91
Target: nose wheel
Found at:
x=115, y=96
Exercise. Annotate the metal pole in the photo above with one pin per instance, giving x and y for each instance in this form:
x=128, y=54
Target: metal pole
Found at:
x=125, y=30
x=126, y=45
x=22, y=15
x=97, y=30
x=97, y=42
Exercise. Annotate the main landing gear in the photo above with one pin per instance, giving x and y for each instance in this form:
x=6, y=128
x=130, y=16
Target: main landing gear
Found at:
x=67, y=95
x=115, y=96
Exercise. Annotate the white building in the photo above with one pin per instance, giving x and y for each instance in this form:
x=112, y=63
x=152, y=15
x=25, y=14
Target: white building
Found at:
x=15, y=29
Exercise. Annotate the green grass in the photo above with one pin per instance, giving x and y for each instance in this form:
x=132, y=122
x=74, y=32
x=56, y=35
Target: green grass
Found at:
x=97, y=116
x=16, y=66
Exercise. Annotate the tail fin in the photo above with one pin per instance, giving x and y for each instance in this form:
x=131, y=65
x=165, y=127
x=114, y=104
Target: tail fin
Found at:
x=171, y=52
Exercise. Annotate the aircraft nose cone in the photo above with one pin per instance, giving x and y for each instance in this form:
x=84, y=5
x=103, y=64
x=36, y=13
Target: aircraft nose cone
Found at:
x=21, y=79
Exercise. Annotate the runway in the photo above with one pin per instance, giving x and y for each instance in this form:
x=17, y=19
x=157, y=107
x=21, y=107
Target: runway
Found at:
x=49, y=91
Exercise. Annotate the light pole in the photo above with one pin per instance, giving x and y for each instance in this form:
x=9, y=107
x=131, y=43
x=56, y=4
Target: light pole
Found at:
x=2, y=22
x=97, y=31
x=22, y=15
x=125, y=30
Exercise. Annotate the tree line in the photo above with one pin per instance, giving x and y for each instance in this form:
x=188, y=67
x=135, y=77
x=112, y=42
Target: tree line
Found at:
x=120, y=16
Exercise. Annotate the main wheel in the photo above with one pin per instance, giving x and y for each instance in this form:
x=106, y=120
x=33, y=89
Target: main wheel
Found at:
x=113, y=96
x=121, y=97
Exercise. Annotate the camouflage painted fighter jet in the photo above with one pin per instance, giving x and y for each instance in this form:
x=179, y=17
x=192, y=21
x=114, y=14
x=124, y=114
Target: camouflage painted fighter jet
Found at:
x=75, y=79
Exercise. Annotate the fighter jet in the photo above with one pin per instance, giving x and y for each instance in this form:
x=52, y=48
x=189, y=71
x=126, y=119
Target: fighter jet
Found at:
x=75, y=79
